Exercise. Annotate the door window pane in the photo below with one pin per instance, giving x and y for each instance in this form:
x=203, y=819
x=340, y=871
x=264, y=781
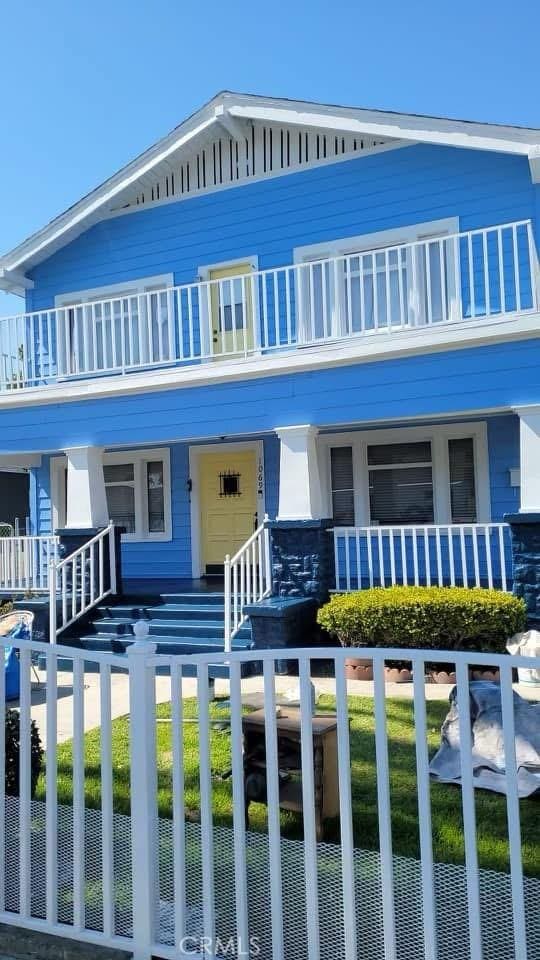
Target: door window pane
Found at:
x=156, y=498
x=400, y=483
x=462, y=483
x=341, y=465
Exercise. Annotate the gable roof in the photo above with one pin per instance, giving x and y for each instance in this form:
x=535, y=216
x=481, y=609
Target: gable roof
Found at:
x=230, y=112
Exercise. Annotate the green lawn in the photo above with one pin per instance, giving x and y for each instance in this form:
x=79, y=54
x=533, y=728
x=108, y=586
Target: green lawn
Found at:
x=446, y=800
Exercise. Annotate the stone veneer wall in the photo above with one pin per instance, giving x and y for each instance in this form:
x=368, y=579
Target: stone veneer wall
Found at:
x=302, y=558
x=525, y=529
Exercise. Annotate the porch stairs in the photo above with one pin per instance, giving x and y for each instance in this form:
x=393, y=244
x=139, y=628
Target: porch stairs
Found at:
x=187, y=622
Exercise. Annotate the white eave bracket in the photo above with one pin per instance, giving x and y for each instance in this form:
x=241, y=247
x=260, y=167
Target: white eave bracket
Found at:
x=13, y=282
x=534, y=163
x=233, y=127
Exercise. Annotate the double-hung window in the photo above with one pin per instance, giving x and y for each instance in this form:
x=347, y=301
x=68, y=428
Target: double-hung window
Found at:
x=138, y=493
x=417, y=480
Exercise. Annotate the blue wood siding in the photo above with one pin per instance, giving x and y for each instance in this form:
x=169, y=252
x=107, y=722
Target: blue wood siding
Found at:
x=503, y=445
x=269, y=218
x=443, y=384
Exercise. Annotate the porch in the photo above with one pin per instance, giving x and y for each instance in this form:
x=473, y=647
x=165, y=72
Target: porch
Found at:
x=373, y=299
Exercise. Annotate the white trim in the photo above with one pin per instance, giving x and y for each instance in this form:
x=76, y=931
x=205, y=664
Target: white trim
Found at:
x=438, y=435
x=138, y=457
x=111, y=290
x=395, y=236
x=380, y=125
x=203, y=272
x=451, y=336
x=195, y=453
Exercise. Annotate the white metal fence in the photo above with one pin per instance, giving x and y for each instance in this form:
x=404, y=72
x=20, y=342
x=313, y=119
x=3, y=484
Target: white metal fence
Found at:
x=74, y=864
x=25, y=562
x=476, y=275
x=247, y=579
x=466, y=555
x=81, y=580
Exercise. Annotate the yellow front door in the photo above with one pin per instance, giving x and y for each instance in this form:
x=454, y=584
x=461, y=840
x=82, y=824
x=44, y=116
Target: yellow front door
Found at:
x=231, y=308
x=228, y=501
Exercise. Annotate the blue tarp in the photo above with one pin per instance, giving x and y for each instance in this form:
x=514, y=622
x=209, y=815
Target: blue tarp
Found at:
x=12, y=670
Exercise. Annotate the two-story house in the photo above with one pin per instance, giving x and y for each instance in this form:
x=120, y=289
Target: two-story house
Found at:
x=293, y=309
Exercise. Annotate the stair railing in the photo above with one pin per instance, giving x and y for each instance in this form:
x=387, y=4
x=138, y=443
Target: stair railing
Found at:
x=248, y=579
x=81, y=580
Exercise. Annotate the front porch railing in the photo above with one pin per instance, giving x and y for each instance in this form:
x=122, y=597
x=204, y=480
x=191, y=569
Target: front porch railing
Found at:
x=248, y=579
x=25, y=563
x=81, y=580
x=463, y=555
x=474, y=276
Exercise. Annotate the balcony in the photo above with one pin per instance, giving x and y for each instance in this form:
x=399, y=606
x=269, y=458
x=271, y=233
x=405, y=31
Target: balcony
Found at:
x=371, y=296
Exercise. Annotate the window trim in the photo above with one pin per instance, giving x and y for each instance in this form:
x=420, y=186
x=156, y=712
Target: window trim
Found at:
x=113, y=290
x=380, y=239
x=438, y=435
x=139, y=458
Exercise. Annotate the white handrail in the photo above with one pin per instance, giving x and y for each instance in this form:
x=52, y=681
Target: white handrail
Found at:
x=475, y=276
x=81, y=580
x=24, y=563
x=248, y=579
x=456, y=554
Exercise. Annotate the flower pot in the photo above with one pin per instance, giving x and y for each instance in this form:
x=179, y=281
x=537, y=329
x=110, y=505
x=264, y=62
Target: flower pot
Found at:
x=358, y=669
x=442, y=676
x=485, y=673
x=399, y=674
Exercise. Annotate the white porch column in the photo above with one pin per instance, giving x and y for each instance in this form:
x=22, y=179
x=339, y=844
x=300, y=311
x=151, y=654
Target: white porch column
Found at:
x=529, y=437
x=299, y=480
x=86, y=505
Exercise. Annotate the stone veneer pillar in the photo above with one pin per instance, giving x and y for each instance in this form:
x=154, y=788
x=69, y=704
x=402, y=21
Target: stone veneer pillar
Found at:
x=525, y=525
x=302, y=558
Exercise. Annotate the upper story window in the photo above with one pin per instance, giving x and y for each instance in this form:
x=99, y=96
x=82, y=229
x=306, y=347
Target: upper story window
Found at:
x=386, y=280
x=116, y=327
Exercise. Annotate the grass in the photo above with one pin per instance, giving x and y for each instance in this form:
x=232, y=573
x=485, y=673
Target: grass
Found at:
x=445, y=799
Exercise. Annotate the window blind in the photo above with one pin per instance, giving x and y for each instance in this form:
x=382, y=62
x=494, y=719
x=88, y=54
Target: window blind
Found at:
x=462, y=481
x=341, y=464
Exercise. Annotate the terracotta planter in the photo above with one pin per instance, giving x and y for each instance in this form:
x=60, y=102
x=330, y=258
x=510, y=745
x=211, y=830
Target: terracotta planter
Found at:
x=484, y=673
x=442, y=676
x=397, y=674
x=358, y=669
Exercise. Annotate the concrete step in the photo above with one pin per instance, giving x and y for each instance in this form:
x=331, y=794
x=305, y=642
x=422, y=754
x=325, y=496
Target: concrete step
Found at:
x=213, y=629
x=162, y=612
x=207, y=597
x=165, y=644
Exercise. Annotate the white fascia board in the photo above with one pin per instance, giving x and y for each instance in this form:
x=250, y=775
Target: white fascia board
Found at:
x=427, y=130
x=19, y=461
x=457, y=336
x=534, y=164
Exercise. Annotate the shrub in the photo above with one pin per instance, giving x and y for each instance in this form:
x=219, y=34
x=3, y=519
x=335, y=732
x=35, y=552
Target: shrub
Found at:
x=436, y=618
x=13, y=752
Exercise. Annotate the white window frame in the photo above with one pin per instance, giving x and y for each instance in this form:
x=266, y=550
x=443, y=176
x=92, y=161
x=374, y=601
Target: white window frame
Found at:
x=111, y=291
x=139, y=459
x=438, y=435
x=380, y=239
x=203, y=276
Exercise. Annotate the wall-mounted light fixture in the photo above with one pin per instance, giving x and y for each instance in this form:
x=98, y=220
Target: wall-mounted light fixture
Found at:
x=189, y=484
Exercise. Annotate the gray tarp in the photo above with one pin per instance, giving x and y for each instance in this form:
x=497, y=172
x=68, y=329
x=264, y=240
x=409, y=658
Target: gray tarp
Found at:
x=488, y=742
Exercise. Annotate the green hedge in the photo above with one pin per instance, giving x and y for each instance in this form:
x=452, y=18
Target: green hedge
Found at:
x=428, y=618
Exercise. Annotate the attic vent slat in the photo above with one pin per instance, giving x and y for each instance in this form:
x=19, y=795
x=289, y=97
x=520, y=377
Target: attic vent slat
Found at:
x=264, y=150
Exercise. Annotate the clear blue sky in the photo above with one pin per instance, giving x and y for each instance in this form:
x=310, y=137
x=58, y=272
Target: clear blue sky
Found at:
x=86, y=85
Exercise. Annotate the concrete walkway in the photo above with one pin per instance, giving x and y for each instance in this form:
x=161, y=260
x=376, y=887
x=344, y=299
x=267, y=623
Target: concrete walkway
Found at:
x=252, y=695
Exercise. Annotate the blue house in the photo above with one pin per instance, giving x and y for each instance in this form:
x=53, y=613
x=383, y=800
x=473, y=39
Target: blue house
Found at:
x=323, y=315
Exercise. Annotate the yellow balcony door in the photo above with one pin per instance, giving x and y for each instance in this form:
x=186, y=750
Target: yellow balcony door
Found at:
x=228, y=503
x=231, y=309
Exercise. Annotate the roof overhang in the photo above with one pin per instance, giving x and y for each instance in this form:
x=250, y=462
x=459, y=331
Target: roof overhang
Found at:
x=231, y=112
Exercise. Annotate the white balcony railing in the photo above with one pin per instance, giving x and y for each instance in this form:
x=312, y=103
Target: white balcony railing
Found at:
x=25, y=563
x=473, y=276
x=462, y=555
